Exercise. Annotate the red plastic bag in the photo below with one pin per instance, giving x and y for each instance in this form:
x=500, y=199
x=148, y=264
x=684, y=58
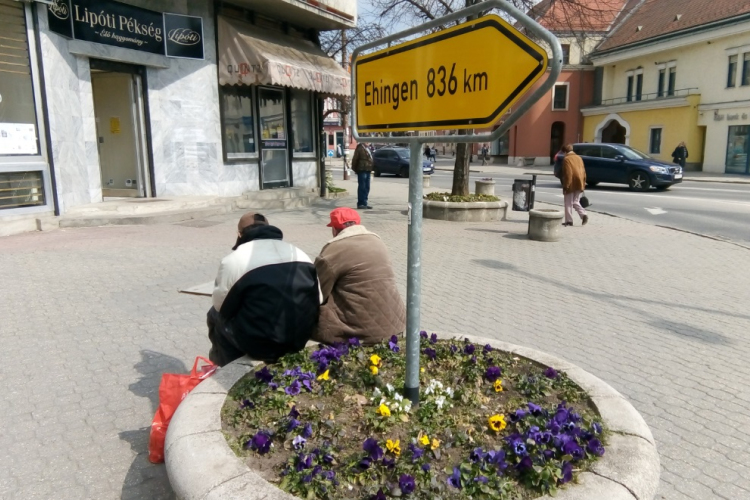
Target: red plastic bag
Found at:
x=173, y=389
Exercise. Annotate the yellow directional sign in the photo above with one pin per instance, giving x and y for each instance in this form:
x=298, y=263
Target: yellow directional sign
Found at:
x=463, y=77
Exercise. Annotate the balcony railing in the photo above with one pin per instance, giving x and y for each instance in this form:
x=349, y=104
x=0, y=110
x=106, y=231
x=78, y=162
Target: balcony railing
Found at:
x=656, y=96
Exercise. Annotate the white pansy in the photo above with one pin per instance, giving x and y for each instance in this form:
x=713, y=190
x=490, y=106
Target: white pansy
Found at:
x=389, y=387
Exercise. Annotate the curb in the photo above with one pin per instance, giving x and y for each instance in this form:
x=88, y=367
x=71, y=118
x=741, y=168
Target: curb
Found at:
x=201, y=465
x=68, y=221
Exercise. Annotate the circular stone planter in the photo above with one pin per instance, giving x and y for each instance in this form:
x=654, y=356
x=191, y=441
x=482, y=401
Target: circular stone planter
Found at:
x=484, y=187
x=201, y=465
x=477, y=211
x=545, y=225
x=336, y=196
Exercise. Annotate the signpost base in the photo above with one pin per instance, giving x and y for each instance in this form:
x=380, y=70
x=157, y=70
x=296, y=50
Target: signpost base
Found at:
x=414, y=275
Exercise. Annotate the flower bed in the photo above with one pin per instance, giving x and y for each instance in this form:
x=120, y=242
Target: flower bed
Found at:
x=330, y=423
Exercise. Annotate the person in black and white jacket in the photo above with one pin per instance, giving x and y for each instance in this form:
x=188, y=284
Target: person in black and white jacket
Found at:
x=266, y=297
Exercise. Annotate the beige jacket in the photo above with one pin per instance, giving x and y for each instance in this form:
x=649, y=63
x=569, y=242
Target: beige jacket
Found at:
x=573, y=173
x=360, y=298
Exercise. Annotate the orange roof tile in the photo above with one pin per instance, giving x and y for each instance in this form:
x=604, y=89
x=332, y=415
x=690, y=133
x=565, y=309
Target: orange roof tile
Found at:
x=578, y=15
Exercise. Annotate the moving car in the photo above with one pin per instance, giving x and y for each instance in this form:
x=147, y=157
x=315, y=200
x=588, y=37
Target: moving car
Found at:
x=396, y=161
x=620, y=164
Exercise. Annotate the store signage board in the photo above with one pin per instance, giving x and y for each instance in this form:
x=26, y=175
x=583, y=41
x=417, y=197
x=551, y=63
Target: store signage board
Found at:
x=462, y=77
x=122, y=25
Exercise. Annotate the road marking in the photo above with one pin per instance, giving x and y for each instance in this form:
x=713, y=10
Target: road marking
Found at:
x=656, y=211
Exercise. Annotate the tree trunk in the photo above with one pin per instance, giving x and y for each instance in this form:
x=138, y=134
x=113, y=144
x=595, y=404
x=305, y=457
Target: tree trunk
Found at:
x=463, y=152
x=461, y=168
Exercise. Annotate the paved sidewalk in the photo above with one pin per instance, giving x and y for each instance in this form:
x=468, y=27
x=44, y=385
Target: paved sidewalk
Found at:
x=92, y=317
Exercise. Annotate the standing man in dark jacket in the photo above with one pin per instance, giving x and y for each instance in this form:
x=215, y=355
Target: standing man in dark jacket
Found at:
x=266, y=297
x=573, y=181
x=362, y=165
x=680, y=154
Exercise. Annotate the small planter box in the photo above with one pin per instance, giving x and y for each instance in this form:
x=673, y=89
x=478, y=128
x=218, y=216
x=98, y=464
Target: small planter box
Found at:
x=544, y=225
x=484, y=187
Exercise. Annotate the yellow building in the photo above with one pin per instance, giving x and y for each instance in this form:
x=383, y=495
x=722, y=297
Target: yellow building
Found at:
x=672, y=73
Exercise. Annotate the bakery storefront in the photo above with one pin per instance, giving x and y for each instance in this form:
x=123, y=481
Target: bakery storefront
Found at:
x=155, y=99
x=727, y=128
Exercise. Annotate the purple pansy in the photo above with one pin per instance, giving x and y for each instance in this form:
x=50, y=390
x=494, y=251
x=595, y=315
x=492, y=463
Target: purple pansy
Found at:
x=307, y=478
x=426, y=467
x=481, y=479
x=423, y=334
x=373, y=450
x=535, y=409
x=550, y=373
x=416, y=452
x=597, y=427
x=329, y=475
x=567, y=473
x=525, y=464
x=299, y=442
x=455, y=478
x=487, y=349
x=307, y=431
x=406, y=483
x=354, y=342
x=469, y=349
x=573, y=449
x=430, y=353
x=393, y=343
x=307, y=385
x=518, y=415
x=379, y=495
x=273, y=386
x=595, y=447
x=304, y=462
x=477, y=455
x=561, y=416
x=519, y=448
x=293, y=424
x=294, y=413
x=293, y=389
x=493, y=373
x=365, y=463
x=260, y=442
x=454, y=349
x=246, y=403
x=264, y=375
x=389, y=462
x=433, y=338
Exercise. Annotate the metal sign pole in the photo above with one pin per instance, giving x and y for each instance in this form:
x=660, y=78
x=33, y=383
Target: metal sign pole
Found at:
x=414, y=274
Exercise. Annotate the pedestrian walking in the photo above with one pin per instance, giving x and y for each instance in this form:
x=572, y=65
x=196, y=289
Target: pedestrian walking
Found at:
x=680, y=154
x=362, y=166
x=485, y=150
x=426, y=151
x=573, y=181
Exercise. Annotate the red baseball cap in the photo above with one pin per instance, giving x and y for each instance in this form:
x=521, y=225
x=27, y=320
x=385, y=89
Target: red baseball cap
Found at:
x=340, y=216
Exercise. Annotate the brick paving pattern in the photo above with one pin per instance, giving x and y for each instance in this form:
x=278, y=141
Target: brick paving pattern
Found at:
x=91, y=318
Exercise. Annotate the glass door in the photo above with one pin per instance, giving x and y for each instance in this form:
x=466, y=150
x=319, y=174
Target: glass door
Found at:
x=738, y=150
x=274, y=155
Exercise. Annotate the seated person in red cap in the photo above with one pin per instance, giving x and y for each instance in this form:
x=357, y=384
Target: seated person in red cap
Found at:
x=266, y=296
x=360, y=298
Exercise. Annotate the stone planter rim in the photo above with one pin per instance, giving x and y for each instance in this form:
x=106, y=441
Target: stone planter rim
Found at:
x=468, y=205
x=201, y=465
x=546, y=213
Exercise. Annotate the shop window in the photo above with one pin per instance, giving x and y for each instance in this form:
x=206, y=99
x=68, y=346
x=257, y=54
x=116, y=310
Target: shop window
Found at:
x=560, y=97
x=18, y=130
x=746, y=68
x=732, y=72
x=639, y=87
x=565, y=53
x=302, y=119
x=662, y=79
x=629, y=97
x=238, y=121
x=738, y=148
x=654, y=147
x=672, y=81
x=330, y=139
x=21, y=189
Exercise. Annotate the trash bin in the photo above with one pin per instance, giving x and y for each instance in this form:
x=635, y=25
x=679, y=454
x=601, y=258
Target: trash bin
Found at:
x=521, y=195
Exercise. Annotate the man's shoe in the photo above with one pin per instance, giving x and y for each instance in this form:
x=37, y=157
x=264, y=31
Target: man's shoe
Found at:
x=368, y=207
x=359, y=207
x=567, y=223
x=584, y=220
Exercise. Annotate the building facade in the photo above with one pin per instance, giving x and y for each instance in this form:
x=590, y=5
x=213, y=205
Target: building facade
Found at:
x=159, y=98
x=678, y=71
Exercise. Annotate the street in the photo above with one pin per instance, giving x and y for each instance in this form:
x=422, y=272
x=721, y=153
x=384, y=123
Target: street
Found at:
x=713, y=209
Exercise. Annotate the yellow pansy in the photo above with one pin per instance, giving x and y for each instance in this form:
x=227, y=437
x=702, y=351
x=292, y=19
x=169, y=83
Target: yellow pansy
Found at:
x=374, y=370
x=498, y=385
x=435, y=444
x=497, y=422
x=421, y=370
x=394, y=447
x=424, y=440
x=384, y=410
x=375, y=360
x=324, y=375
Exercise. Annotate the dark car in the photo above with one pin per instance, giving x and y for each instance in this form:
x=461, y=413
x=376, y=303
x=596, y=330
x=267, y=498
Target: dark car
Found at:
x=620, y=164
x=396, y=161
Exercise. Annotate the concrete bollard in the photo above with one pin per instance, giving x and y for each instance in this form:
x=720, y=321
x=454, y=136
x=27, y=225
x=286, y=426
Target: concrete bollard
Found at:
x=425, y=181
x=544, y=225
